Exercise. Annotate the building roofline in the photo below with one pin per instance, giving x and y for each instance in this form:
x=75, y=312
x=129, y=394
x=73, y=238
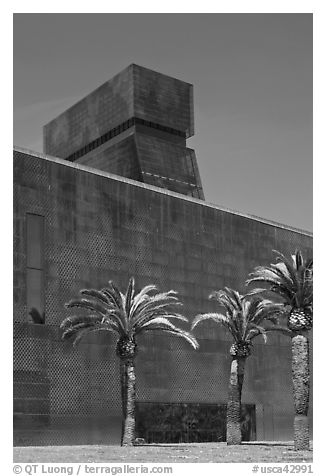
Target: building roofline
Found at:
x=159, y=72
x=163, y=191
x=76, y=103
x=130, y=66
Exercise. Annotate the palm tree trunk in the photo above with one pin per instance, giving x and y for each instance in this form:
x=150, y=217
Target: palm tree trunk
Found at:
x=300, y=378
x=128, y=402
x=233, y=413
x=123, y=384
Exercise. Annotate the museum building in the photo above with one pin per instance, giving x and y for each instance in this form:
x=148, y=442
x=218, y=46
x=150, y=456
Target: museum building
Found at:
x=117, y=193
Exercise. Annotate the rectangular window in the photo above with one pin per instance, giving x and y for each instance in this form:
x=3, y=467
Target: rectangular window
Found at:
x=35, y=239
x=35, y=267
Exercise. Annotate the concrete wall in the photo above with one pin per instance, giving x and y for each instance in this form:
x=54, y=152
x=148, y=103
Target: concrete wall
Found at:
x=99, y=227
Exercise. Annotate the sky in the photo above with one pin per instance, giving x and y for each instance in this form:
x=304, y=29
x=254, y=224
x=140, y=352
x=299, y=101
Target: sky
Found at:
x=253, y=92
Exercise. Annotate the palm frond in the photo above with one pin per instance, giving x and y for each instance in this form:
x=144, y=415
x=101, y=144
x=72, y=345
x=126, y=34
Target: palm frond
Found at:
x=275, y=287
x=281, y=329
x=297, y=260
x=95, y=293
x=255, y=331
x=309, y=263
x=285, y=278
x=145, y=314
x=222, y=301
x=232, y=296
x=268, y=310
x=153, y=305
x=88, y=304
x=305, y=276
x=254, y=301
x=129, y=296
x=114, y=323
x=110, y=296
x=82, y=333
x=243, y=316
x=117, y=304
x=214, y=316
x=283, y=292
x=264, y=274
x=256, y=292
x=118, y=317
x=69, y=331
x=148, y=316
x=166, y=298
x=247, y=306
x=163, y=297
x=74, y=320
x=265, y=310
x=149, y=288
x=288, y=263
x=104, y=310
x=231, y=300
x=218, y=319
x=113, y=294
x=162, y=324
x=137, y=303
x=291, y=279
x=124, y=313
x=116, y=293
x=142, y=296
x=307, y=299
x=236, y=320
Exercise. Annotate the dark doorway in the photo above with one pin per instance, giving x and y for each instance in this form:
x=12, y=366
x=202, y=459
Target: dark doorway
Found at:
x=189, y=422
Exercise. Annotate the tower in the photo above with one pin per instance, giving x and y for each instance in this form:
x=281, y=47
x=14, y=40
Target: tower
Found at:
x=134, y=125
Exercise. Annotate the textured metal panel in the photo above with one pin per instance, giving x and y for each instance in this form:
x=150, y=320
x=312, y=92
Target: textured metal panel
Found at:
x=135, y=91
x=163, y=99
x=168, y=165
x=118, y=158
x=162, y=108
x=106, y=107
x=99, y=228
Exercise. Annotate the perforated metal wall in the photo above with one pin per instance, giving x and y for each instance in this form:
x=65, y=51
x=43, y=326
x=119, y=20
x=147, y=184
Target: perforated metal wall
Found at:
x=98, y=228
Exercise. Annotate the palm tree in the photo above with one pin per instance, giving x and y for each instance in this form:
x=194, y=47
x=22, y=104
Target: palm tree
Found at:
x=127, y=315
x=243, y=318
x=292, y=280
